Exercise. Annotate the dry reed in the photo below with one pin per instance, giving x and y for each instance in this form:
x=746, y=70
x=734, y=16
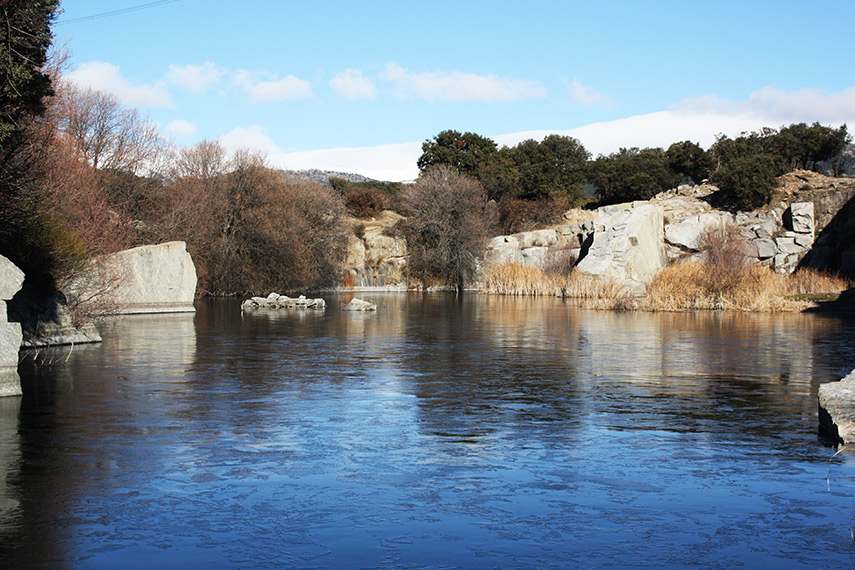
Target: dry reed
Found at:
x=685, y=286
x=692, y=285
x=515, y=279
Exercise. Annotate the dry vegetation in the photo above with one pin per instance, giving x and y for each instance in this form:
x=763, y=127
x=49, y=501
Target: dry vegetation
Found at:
x=692, y=285
x=514, y=279
x=684, y=286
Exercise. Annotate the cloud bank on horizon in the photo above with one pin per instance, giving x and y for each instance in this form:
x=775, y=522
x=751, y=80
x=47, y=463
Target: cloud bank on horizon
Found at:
x=348, y=102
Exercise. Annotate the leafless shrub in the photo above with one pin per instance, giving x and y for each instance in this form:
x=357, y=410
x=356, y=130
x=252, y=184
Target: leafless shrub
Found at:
x=560, y=262
x=110, y=136
x=724, y=255
x=90, y=291
x=446, y=226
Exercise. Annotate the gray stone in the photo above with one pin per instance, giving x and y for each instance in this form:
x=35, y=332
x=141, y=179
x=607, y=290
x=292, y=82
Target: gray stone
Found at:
x=767, y=229
x=765, y=248
x=535, y=256
x=147, y=279
x=804, y=240
x=375, y=259
x=11, y=279
x=537, y=238
x=802, y=214
x=787, y=245
x=837, y=408
x=277, y=301
x=359, y=305
x=631, y=246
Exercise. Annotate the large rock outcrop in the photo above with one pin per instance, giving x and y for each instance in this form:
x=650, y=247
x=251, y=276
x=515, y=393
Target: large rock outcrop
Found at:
x=622, y=243
x=625, y=242
x=146, y=279
x=11, y=280
x=628, y=246
x=837, y=409
x=374, y=258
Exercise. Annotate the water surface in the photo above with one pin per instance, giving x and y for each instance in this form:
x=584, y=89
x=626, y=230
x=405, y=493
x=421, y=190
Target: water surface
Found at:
x=482, y=432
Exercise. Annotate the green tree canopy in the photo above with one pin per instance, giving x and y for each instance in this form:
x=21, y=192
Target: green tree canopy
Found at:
x=556, y=166
x=463, y=152
x=631, y=174
x=689, y=160
x=23, y=53
x=746, y=182
x=804, y=147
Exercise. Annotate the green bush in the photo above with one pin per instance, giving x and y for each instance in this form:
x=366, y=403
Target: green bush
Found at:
x=631, y=174
x=746, y=182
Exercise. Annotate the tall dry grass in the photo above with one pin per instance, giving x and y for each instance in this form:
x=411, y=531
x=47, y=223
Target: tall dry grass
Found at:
x=693, y=285
x=686, y=286
x=725, y=280
x=515, y=279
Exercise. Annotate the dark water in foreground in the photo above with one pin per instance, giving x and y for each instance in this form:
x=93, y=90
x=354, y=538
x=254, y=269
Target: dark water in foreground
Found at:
x=488, y=433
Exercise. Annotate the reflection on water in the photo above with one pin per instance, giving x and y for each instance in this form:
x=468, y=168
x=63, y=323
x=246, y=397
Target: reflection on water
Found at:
x=478, y=432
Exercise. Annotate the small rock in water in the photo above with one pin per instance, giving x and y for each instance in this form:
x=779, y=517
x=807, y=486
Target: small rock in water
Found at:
x=359, y=305
x=277, y=301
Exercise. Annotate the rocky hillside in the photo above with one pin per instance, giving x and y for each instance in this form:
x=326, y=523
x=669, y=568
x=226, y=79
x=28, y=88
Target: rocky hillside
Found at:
x=323, y=176
x=807, y=223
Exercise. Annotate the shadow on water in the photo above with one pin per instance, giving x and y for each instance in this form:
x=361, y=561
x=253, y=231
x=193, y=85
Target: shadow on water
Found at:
x=440, y=431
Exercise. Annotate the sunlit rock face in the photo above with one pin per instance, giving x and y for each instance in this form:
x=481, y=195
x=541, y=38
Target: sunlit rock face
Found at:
x=374, y=258
x=147, y=279
x=837, y=408
x=11, y=280
x=628, y=246
x=807, y=225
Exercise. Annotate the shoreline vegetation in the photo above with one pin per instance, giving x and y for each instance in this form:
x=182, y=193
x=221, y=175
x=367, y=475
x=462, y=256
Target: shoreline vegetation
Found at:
x=682, y=286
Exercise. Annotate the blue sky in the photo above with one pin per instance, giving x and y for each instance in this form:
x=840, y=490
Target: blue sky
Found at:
x=357, y=86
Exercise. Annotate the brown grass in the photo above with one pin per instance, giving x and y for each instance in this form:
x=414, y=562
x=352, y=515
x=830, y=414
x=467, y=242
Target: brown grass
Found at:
x=693, y=285
x=684, y=286
x=514, y=279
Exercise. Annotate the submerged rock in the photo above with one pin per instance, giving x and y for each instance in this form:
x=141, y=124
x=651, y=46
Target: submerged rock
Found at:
x=837, y=409
x=359, y=305
x=277, y=301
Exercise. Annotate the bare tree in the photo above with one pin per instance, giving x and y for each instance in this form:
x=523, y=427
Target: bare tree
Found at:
x=108, y=135
x=204, y=161
x=446, y=226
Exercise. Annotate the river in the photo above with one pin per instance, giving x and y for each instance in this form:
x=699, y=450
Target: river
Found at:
x=438, y=432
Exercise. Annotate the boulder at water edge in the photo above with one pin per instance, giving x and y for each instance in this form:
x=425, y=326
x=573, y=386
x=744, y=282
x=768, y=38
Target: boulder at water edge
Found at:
x=11, y=279
x=359, y=305
x=146, y=279
x=837, y=408
x=628, y=246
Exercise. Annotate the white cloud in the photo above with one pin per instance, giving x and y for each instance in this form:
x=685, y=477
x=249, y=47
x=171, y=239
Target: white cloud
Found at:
x=698, y=120
x=395, y=162
x=458, y=87
x=254, y=138
x=263, y=86
x=195, y=78
x=351, y=84
x=103, y=76
x=778, y=107
x=181, y=128
x=586, y=95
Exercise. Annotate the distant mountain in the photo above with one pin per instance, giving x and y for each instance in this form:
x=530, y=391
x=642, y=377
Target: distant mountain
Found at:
x=323, y=176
